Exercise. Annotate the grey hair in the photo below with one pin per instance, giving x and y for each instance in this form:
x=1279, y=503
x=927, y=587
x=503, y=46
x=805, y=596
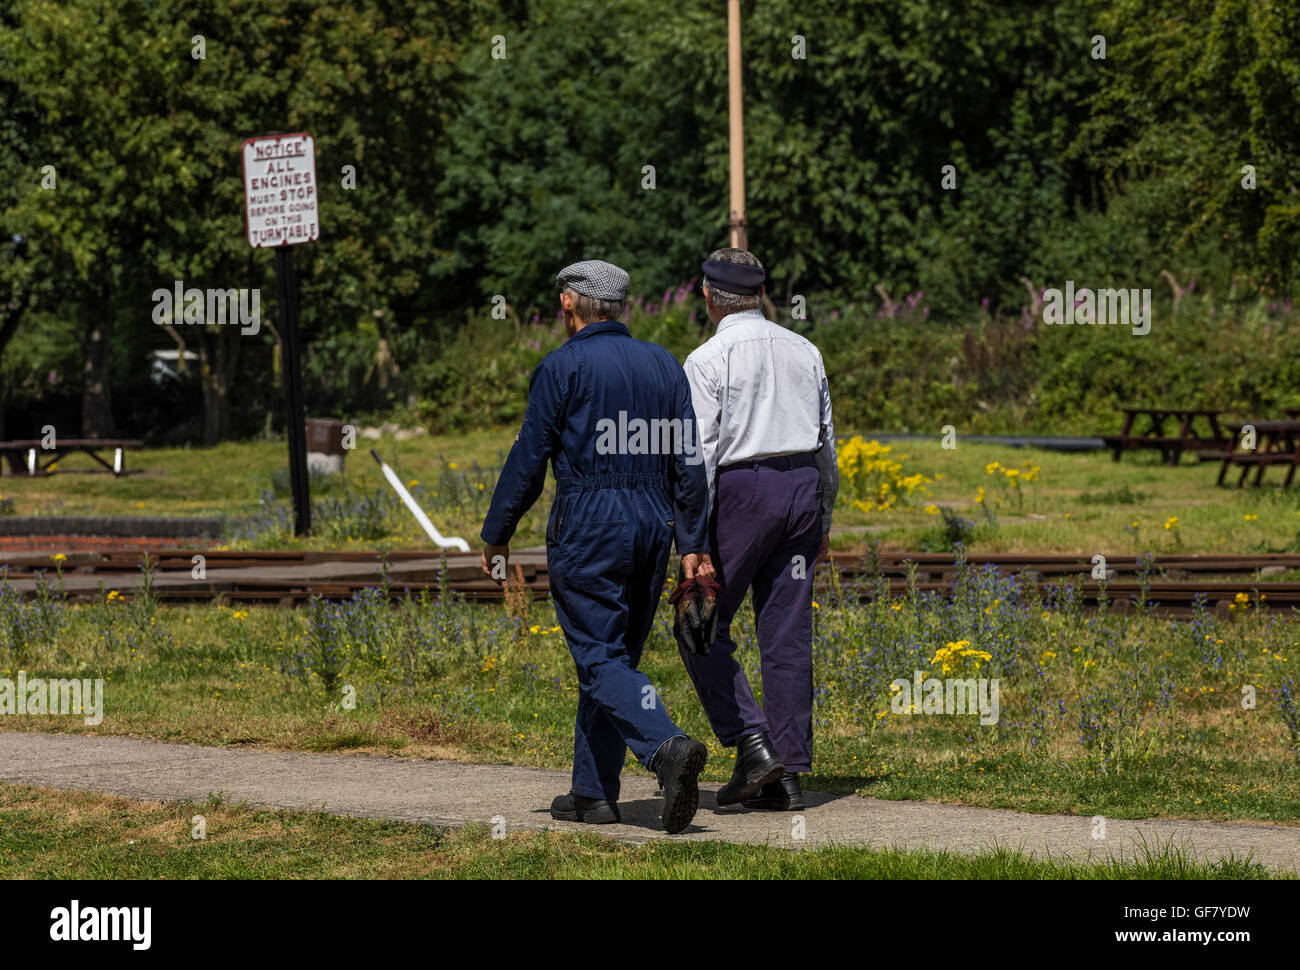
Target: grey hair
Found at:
x=734, y=302
x=591, y=310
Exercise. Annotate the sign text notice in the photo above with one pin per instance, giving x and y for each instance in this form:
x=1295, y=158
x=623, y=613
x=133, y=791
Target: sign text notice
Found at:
x=280, y=198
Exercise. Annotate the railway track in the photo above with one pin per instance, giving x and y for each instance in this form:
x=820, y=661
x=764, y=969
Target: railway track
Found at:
x=290, y=578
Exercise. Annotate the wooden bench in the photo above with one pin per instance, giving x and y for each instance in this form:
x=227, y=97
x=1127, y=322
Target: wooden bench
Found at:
x=1153, y=436
x=14, y=450
x=1276, y=443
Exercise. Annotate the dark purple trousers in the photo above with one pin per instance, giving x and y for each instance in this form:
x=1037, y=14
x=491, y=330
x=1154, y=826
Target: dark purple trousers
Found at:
x=765, y=533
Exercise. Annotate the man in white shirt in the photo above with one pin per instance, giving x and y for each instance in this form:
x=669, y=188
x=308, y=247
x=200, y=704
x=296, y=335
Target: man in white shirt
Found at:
x=763, y=413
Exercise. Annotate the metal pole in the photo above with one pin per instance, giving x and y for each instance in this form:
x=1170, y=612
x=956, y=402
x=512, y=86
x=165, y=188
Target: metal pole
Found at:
x=736, y=111
x=295, y=426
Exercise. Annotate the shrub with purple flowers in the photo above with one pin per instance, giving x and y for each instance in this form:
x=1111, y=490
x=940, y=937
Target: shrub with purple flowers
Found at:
x=29, y=628
x=1285, y=694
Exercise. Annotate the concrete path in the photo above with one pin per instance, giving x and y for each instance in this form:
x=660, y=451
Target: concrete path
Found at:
x=449, y=793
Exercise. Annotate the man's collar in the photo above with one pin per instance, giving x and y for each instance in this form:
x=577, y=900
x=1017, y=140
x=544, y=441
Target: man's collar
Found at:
x=604, y=326
x=740, y=317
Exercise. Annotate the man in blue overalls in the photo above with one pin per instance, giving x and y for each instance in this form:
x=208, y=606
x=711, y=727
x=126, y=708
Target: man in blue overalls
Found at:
x=613, y=414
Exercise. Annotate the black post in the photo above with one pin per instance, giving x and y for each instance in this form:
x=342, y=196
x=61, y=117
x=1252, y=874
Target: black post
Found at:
x=286, y=288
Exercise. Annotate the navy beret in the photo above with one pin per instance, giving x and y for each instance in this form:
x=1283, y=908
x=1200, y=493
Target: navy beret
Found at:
x=733, y=277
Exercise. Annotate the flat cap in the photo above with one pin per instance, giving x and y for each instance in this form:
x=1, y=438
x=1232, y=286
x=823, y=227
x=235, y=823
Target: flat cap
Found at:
x=594, y=278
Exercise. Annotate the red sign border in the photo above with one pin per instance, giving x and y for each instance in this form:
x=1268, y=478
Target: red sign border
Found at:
x=244, y=178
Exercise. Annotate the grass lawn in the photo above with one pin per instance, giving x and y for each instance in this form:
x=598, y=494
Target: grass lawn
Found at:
x=49, y=834
x=1098, y=714
x=249, y=479
x=1082, y=503
x=1079, y=503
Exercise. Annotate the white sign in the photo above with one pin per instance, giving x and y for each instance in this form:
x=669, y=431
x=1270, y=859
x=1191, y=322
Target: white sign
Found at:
x=280, y=198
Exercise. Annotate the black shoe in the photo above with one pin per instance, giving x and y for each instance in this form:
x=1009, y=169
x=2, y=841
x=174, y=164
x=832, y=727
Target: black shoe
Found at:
x=678, y=766
x=782, y=795
x=579, y=808
x=756, y=765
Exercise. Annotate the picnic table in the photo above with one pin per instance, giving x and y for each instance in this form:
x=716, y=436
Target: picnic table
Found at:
x=1276, y=443
x=64, y=446
x=1144, y=427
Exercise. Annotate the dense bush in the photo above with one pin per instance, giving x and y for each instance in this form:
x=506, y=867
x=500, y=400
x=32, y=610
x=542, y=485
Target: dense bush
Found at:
x=907, y=370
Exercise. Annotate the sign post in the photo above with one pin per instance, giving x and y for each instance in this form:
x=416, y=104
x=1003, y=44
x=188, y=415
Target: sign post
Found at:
x=736, y=114
x=281, y=211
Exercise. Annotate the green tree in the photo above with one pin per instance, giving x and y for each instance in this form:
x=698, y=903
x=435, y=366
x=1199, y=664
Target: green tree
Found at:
x=1195, y=91
x=145, y=139
x=845, y=147
x=575, y=144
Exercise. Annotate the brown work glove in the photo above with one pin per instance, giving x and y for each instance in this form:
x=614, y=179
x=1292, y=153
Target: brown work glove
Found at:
x=695, y=613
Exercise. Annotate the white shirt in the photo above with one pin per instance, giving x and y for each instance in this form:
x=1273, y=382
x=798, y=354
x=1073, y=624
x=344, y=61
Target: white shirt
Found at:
x=760, y=390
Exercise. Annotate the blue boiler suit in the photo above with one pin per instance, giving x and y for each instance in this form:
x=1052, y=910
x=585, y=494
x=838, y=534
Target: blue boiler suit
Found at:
x=611, y=527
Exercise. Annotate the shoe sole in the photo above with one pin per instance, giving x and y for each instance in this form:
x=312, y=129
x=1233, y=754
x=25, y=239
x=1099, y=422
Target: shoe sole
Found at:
x=682, y=793
x=769, y=771
x=762, y=805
